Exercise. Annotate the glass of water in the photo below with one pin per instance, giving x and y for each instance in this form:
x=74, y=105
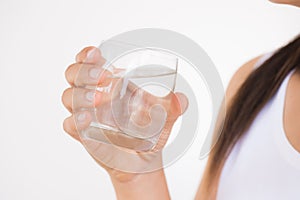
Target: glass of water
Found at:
x=136, y=96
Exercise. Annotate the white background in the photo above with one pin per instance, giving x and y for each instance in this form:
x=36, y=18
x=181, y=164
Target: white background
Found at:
x=39, y=39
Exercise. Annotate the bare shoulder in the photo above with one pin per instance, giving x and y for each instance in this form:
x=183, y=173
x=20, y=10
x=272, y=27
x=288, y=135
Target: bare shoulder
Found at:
x=239, y=77
x=236, y=81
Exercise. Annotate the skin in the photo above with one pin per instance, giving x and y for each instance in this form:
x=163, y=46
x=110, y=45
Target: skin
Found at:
x=291, y=114
x=127, y=185
x=289, y=2
x=292, y=107
x=236, y=81
x=153, y=185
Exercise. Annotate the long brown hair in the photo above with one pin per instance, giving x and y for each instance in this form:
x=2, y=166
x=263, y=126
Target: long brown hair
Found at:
x=259, y=87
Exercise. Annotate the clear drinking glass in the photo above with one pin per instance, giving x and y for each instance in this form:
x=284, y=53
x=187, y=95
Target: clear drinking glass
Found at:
x=136, y=97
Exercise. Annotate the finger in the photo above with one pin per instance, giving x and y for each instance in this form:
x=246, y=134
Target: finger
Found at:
x=163, y=137
x=90, y=55
x=70, y=128
x=82, y=74
x=75, y=123
x=67, y=99
x=182, y=102
x=175, y=104
x=75, y=98
x=131, y=143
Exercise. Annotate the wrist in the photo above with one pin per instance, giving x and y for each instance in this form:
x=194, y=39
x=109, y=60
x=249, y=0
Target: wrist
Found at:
x=151, y=185
x=154, y=165
x=117, y=176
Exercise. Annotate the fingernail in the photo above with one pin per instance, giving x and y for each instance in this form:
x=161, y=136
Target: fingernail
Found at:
x=81, y=117
x=94, y=73
x=90, y=96
x=90, y=54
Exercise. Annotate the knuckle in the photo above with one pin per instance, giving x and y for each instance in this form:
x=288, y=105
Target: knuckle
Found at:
x=66, y=126
x=68, y=73
x=82, y=54
x=67, y=94
x=102, y=60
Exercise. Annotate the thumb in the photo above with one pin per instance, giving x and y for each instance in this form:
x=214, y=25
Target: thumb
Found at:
x=182, y=101
x=179, y=104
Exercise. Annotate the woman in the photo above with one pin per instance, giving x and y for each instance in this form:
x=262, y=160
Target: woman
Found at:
x=257, y=154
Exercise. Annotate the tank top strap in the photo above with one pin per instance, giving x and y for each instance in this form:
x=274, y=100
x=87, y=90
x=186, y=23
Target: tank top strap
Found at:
x=285, y=148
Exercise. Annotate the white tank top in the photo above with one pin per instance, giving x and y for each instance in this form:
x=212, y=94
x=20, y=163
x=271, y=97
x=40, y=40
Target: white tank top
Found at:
x=263, y=165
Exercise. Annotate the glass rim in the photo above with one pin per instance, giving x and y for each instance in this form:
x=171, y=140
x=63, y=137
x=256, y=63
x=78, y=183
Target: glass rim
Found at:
x=164, y=53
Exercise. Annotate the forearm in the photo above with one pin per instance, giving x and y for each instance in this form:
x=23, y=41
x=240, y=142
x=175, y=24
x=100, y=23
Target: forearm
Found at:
x=143, y=186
